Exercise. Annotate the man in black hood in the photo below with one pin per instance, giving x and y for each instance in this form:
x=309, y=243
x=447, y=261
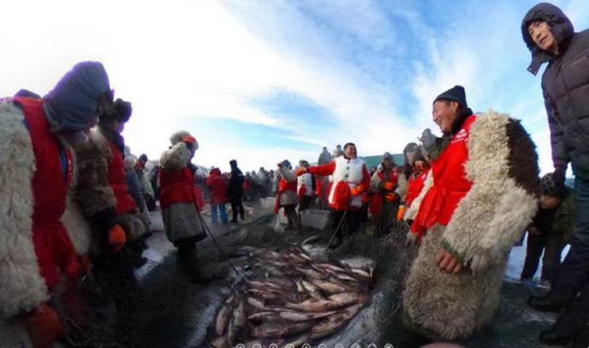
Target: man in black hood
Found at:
x=551, y=38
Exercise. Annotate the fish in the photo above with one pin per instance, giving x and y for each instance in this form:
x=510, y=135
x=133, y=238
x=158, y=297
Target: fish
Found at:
x=295, y=316
x=220, y=342
x=237, y=327
x=300, y=286
x=279, y=330
x=222, y=320
x=360, y=262
x=361, y=273
x=256, y=303
x=310, y=273
x=313, y=306
x=283, y=283
x=312, y=290
x=344, y=276
x=330, y=267
x=261, y=294
x=264, y=316
x=346, y=298
x=296, y=258
x=311, y=240
x=329, y=287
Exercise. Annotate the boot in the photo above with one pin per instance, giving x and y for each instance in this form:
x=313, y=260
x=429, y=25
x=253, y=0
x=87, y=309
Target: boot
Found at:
x=188, y=261
x=545, y=303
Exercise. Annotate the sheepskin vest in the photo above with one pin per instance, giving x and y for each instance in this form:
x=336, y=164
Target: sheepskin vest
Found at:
x=450, y=182
x=117, y=178
x=348, y=174
x=416, y=184
x=50, y=185
x=178, y=187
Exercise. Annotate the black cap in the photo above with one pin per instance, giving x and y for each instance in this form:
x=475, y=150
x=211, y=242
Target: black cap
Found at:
x=456, y=94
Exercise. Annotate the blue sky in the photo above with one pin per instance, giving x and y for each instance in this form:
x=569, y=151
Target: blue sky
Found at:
x=263, y=80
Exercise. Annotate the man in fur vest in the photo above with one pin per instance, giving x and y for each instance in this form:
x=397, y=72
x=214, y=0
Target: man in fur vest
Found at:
x=181, y=203
x=350, y=180
x=36, y=167
x=389, y=185
x=101, y=188
x=287, y=195
x=478, y=199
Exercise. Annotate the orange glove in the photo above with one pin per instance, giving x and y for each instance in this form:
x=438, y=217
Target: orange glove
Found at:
x=391, y=197
x=389, y=186
x=356, y=191
x=302, y=171
x=117, y=238
x=401, y=213
x=43, y=326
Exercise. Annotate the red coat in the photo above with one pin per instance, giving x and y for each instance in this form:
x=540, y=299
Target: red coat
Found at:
x=377, y=200
x=179, y=187
x=347, y=175
x=117, y=179
x=50, y=184
x=415, y=185
x=450, y=183
x=218, y=185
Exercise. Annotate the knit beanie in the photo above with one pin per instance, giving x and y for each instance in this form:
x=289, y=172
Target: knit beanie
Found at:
x=549, y=187
x=456, y=93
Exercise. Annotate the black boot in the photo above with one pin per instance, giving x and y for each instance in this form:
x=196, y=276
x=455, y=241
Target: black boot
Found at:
x=552, y=338
x=188, y=261
x=545, y=303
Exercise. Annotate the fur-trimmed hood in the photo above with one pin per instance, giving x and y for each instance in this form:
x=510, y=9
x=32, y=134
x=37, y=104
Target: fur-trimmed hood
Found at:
x=560, y=26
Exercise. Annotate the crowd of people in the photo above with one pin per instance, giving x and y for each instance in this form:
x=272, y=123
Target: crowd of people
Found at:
x=76, y=202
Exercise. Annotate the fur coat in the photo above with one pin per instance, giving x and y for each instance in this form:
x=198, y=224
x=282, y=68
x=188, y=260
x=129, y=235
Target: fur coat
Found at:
x=488, y=221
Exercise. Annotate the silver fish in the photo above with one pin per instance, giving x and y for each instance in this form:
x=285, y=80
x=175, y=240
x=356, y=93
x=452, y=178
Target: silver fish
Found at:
x=313, y=306
x=312, y=290
x=256, y=303
x=237, y=327
x=222, y=320
x=329, y=287
x=346, y=298
x=220, y=342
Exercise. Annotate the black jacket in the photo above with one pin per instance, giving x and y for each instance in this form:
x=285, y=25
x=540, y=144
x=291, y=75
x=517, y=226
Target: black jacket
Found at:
x=235, y=189
x=566, y=88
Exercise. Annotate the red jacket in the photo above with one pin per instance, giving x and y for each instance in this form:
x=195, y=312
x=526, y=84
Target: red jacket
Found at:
x=117, y=179
x=347, y=175
x=415, y=185
x=179, y=187
x=450, y=183
x=50, y=184
x=218, y=185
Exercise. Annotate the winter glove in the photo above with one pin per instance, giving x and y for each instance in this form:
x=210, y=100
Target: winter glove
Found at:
x=412, y=238
x=356, y=191
x=43, y=326
x=427, y=139
x=302, y=171
x=559, y=176
x=401, y=213
x=117, y=238
x=389, y=186
x=86, y=263
x=391, y=197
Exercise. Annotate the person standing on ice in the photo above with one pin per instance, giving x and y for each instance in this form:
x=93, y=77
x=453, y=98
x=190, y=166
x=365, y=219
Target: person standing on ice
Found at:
x=305, y=190
x=389, y=185
x=551, y=38
x=287, y=195
x=181, y=203
x=218, y=184
x=350, y=180
x=478, y=199
x=235, y=192
x=36, y=167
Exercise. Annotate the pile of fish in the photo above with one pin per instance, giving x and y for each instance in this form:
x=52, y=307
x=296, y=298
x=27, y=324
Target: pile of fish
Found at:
x=289, y=299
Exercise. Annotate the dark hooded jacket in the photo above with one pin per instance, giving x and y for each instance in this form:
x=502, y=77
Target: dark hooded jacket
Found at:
x=566, y=87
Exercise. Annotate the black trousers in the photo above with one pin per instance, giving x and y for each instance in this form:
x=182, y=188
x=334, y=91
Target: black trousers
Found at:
x=552, y=246
x=237, y=208
x=350, y=223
